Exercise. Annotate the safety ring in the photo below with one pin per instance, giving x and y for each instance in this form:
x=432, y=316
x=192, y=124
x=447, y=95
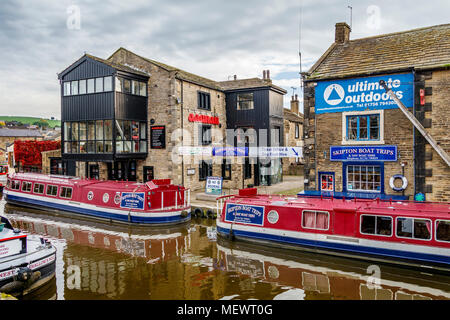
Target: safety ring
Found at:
x=398, y=176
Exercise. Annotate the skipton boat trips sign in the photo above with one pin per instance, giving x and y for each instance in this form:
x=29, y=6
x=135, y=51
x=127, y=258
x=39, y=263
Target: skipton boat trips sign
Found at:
x=363, y=153
x=132, y=200
x=242, y=213
x=362, y=94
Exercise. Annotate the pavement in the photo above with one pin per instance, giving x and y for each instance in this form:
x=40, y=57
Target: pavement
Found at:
x=290, y=185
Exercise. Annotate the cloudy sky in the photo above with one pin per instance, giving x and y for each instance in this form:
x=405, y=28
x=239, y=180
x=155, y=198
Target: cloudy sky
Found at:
x=214, y=39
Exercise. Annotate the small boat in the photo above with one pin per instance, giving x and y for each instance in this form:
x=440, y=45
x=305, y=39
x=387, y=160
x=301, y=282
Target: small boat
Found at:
x=27, y=263
x=415, y=234
x=156, y=202
x=3, y=175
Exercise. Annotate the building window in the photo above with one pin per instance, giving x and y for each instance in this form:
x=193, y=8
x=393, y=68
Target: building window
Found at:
x=376, y=225
x=326, y=181
x=74, y=87
x=26, y=186
x=203, y=100
x=88, y=137
x=443, y=230
x=66, y=192
x=131, y=136
x=82, y=86
x=245, y=101
x=363, y=127
x=142, y=89
x=107, y=84
x=205, y=135
x=204, y=170
x=38, y=188
x=90, y=86
x=52, y=190
x=363, y=178
x=67, y=88
x=315, y=220
x=414, y=228
x=297, y=131
x=226, y=170
x=98, y=84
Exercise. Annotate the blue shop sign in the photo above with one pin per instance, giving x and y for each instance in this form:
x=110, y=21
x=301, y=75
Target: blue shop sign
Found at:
x=244, y=214
x=132, y=200
x=363, y=153
x=362, y=94
x=230, y=151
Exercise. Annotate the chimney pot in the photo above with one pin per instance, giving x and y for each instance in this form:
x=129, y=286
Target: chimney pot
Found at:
x=235, y=77
x=342, y=32
x=268, y=74
x=264, y=74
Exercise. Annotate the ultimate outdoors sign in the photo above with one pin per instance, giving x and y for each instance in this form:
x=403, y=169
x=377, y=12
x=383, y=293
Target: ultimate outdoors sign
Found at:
x=361, y=94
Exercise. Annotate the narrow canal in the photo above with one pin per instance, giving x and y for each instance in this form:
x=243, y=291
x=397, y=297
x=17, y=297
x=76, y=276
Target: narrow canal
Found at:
x=101, y=261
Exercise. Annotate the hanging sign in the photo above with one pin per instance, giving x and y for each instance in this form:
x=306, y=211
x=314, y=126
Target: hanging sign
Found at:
x=361, y=94
x=363, y=153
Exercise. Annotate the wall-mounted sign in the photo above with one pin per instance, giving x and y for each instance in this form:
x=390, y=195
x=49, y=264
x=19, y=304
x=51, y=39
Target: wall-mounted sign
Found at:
x=230, y=151
x=132, y=200
x=244, y=214
x=363, y=94
x=276, y=152
x=190, y=171
x=158, y=137
x=203, y=118
x=213, y=185
x=363, y=153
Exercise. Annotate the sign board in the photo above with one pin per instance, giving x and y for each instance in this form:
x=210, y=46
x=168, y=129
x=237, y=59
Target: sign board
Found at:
x=194, y=151
x=190, y=171
x=230, y=151
x=276, y=152
x=132, y=200
x=244, y=214
x=362, y=94
x=158, y=137
x=213, y=185
x=10, y=247
x=363, y=153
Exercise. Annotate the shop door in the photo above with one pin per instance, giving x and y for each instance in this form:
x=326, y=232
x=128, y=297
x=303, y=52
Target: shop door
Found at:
x=149, y=174
x=94, y=171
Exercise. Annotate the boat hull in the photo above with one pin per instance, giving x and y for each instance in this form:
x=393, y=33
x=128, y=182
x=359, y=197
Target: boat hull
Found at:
x=348, y=247
x=99, y=213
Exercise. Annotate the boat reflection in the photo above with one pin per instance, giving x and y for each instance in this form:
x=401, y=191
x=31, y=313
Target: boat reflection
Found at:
x=310, y=276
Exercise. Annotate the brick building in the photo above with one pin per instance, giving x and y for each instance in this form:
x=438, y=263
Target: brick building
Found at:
x=167, y=108
x=293, y=131
x=356, y=138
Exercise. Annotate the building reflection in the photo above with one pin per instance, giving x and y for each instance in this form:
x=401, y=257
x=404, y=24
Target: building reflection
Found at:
x=323, y=277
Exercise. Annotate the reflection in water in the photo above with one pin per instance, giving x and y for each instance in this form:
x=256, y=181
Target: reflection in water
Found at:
x=101, y=261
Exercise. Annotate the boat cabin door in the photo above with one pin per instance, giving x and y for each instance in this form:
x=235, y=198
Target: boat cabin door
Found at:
x=344, y=222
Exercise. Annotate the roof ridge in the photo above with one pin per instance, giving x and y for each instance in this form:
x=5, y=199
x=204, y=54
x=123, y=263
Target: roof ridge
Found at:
x=399, y=32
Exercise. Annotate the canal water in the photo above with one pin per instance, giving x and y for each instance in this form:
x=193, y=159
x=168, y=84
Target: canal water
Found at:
x=96, y=260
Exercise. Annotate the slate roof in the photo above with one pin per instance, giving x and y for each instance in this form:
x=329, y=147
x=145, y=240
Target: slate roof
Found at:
x=249, y=83
x=291, y=116
x=424, y=48
x=8, y=132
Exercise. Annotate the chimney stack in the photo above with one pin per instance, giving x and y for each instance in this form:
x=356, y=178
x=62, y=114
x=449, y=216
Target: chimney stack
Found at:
x=342, y=32
x=294, y=104
x=235, y=77
x=264, y=74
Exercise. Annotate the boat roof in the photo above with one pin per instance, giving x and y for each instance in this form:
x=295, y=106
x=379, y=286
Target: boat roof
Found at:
x=366, y=206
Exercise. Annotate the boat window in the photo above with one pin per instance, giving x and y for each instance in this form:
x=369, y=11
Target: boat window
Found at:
x=414, y=228
x=8, y=183
x=377, y=225
x=315, y=220
x=66, y=192
x=15, y=185
x=26, y=186
x=38, y=188
x=443, y=230
x=52, y=190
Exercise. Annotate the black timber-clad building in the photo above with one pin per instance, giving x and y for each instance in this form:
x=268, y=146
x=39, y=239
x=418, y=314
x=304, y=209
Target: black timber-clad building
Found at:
x=104, y=118
x=257, y=104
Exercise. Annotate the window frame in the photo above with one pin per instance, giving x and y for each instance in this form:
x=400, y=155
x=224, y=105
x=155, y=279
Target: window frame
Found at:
x=347, y=114
x=51, y=195
x=203, y=100
x=16, y=183
x=26, y=183
x=345, y=165
x=412, y=238
x=238, y=102
x=209, y=168
x=435, y=230
x=38, y=184
x=375, y=234
x=65, y=188
x=315, y=219
x=226, y=170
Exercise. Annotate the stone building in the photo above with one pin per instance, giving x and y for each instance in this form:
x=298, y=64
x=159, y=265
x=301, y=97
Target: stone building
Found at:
x=171, y=108
x=9, y=135
x=293, y=131
x=357, y=141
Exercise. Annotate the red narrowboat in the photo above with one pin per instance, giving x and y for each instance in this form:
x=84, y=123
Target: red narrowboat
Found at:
x=155, y=202
x=401, y=232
